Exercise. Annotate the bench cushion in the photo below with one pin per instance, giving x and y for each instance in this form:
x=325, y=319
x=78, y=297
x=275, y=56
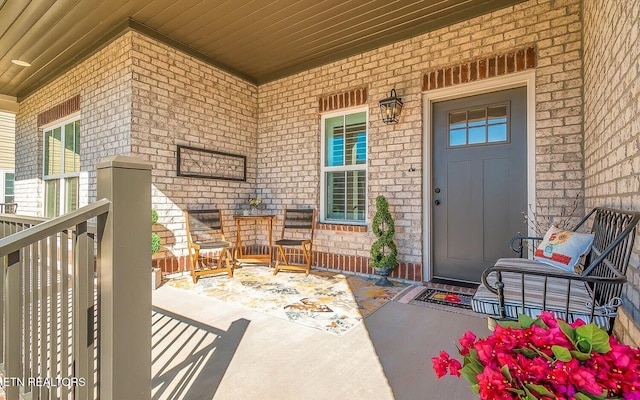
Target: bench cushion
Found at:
x=556, y=295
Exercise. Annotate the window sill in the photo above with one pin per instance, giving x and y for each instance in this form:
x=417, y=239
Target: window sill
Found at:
x=325, y=226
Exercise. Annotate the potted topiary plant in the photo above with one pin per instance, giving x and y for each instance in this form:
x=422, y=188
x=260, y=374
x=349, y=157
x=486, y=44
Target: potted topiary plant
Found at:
x=384, y=253
x=156, y=243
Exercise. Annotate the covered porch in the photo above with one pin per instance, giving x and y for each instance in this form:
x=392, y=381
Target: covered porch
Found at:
x=261, y=93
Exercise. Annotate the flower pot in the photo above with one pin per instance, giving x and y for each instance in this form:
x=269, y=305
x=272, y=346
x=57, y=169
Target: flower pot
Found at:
x=156, y=278
x=383, y=281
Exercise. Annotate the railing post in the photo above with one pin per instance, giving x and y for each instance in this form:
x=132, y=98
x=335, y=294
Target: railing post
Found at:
x=124, y=266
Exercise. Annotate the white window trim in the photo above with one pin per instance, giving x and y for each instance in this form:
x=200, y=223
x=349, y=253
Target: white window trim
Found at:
x=3, y=174
x=48, y=127
x=324, y=169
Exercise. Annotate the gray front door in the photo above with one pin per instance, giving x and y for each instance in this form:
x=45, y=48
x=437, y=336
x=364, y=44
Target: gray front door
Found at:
x=479, y=181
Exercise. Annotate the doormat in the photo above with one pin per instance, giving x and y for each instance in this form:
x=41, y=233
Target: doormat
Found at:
x=445, y=298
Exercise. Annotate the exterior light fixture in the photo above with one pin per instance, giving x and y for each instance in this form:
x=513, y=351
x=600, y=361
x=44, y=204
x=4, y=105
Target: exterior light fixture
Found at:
x=391, y=108
x=20, y=63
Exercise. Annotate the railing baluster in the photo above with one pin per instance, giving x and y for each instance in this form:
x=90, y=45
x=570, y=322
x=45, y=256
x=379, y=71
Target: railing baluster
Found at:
x=53, y=306
x=83, y=311
x=25, y=268
x=64, y=311
x=35, y=394
x=3, y=270
x=12, y=323
x=42, y=313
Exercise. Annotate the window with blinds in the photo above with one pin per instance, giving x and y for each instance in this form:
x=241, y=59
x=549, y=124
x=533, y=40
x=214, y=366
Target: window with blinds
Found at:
x=61, y=167
x=344, y=162
x=9, y=181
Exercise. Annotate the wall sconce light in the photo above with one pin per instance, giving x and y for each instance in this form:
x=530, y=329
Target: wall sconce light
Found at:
x=391, y=108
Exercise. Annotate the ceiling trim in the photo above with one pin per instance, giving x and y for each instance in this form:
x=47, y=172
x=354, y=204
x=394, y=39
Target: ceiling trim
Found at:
x=132, y=25
x=417, y=30
x=8, y=104
x=152, y=33
x=122, y=28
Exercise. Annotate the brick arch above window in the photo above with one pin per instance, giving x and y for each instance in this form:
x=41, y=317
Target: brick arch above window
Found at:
x=337, y=101
x=474, y=70
x=59, y=111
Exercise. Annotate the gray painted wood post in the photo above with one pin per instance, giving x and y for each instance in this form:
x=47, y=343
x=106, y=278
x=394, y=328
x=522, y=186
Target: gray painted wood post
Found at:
x=124, y=266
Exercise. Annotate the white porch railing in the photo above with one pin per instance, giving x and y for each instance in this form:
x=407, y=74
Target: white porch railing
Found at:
x=58, y=319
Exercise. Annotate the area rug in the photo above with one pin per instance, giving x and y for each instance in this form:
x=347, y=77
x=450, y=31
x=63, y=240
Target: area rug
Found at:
x=332, y=302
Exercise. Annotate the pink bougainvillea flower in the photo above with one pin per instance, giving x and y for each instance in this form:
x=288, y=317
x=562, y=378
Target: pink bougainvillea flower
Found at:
x=441, y=364
x=586, y=380
x=454, y=368
x=540, y=359
x=467, y=342
x=493, y=385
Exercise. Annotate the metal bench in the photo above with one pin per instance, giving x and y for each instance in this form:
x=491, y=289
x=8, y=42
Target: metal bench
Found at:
x=516, y=286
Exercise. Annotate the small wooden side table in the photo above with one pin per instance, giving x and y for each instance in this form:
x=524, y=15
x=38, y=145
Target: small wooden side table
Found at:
x=239, y=256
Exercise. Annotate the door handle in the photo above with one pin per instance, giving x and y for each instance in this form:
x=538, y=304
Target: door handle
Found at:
x=437, y=202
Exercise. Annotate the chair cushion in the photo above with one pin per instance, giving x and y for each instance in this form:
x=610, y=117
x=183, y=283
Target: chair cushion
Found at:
x=219, y=244
x=563, y=249
x=580, y=300
x=289, y=242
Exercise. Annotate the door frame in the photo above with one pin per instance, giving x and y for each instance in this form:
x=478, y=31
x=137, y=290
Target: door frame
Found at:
x=525, y=78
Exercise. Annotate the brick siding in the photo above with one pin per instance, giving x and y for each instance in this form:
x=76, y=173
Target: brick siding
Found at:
x=289, y=131
x=612, y=128
x=483, y=68
x=147, y=97
x=179, y=100
x=100, y=87
x=59, y=111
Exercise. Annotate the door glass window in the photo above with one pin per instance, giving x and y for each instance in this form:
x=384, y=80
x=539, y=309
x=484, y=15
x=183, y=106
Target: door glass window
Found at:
x=479, y=126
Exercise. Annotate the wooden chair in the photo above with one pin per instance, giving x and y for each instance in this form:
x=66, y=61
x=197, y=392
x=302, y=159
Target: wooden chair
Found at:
x=297, y=231
x=205, y=232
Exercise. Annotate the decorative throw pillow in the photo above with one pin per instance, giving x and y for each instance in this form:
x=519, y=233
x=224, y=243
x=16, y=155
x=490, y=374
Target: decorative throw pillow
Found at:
x=563, y=249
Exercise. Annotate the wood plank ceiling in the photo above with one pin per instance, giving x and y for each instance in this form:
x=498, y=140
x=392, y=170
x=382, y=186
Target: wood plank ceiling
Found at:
x=259, y=40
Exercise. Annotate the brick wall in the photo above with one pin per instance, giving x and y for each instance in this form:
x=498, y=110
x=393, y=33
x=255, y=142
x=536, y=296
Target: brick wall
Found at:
x=289, y=118
x=612, y=127
x=102, y=84
x=180, y=100
x=141, y=97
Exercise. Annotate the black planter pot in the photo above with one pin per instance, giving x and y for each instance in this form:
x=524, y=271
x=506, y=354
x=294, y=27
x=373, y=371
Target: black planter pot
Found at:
x=383, y=281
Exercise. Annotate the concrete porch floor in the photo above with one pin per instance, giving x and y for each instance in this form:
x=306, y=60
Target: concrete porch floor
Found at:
x=207, y=349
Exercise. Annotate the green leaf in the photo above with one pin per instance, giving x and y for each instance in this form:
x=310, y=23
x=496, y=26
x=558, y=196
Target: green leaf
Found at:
x=475, y=388
x=580, y=356
x=472, y=367
x=530, y=395
x=541, y=390
x=540, y=323
x=597, y=337
x=568, y=331
x=525, y=321
x=506, y=373
x=527, y=352
x=583, y=345
x=508, y=324
x=589, y=396
x=561, y=353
